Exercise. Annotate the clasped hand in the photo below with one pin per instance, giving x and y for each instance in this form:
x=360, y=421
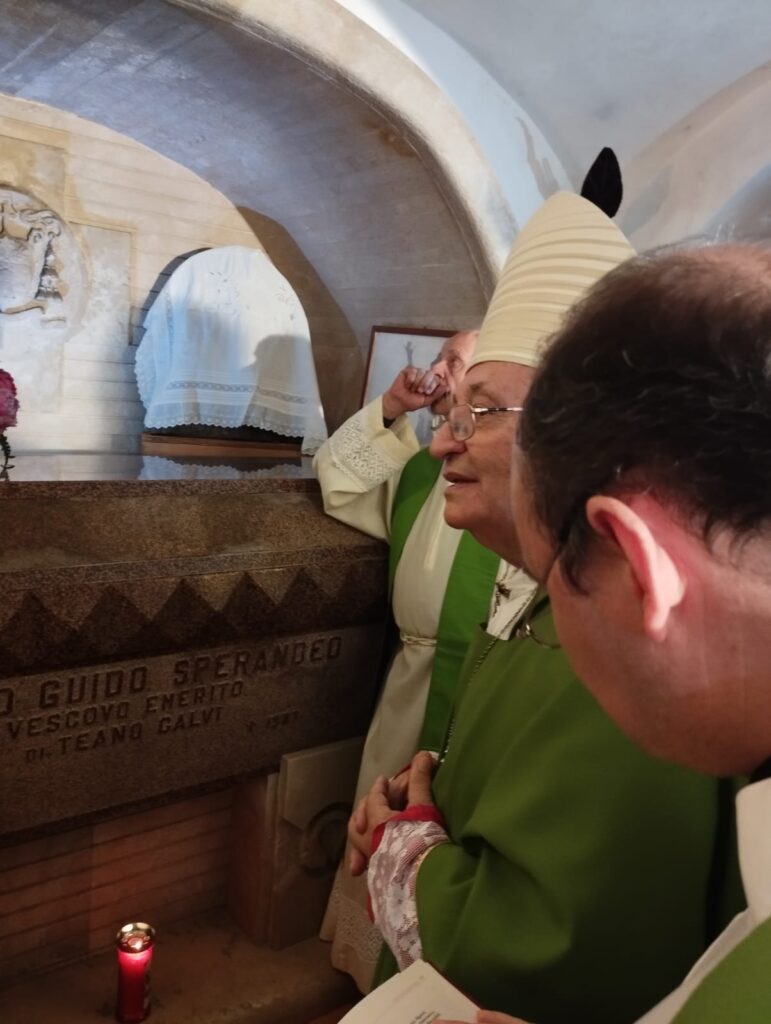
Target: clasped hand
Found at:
x=386, y=798
x=413, y=388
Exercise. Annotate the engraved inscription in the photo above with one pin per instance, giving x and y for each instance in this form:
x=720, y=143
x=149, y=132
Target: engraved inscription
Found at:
x=106, y=735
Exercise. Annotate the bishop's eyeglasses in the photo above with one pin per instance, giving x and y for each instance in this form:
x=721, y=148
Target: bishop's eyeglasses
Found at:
x=462, y=418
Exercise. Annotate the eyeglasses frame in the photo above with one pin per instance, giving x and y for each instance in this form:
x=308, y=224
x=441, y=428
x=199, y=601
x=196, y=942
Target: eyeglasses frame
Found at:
x=476, y=410
x=524, y=628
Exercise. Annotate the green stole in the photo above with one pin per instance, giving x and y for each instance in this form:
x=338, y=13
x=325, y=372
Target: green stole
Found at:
x=736, y=990
x=466, y=599
x=466, y=603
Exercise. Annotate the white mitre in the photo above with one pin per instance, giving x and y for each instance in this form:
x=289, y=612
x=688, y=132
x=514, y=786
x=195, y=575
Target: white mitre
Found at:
x=565, y=248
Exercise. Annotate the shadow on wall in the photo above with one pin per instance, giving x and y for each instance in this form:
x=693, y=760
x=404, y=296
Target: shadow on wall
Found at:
x=747, y=214
x=138, y=329
x=339, y=362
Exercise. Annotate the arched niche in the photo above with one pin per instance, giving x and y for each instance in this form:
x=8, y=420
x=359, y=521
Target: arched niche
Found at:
x=342, y=47
x=111, y=216
x=359, y=221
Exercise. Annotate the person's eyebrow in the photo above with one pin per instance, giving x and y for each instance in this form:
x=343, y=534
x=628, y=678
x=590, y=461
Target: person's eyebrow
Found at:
x=481, y=390
x=450, y=354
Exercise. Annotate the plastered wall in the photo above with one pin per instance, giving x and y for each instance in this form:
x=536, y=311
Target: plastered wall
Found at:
x=126, y=212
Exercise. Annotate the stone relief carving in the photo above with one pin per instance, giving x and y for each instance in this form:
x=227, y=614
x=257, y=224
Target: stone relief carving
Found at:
x=42, y=295
x=41, y=267
x=28, y=275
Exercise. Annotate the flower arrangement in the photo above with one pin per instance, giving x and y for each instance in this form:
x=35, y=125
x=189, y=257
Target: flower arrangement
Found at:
x=9, y=406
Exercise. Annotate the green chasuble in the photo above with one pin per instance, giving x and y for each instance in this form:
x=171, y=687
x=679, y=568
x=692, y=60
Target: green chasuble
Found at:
x=466, y=598
x=583, y=878
x=738, y=989
x=465, y=605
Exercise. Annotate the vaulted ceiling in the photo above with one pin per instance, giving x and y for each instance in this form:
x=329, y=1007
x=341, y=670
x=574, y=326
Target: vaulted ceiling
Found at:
x=275, y=137
x=608, y=72
x=284, y=143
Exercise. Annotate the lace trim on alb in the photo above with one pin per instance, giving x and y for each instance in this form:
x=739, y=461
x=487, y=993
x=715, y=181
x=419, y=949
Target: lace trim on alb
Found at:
x=353, y=927
x=392, y=876
x=355, y=454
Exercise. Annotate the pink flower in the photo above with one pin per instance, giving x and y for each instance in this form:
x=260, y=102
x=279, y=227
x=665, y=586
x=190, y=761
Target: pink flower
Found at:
x=9, y=404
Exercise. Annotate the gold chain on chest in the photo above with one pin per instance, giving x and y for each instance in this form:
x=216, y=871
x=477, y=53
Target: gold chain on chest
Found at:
x=475, y=668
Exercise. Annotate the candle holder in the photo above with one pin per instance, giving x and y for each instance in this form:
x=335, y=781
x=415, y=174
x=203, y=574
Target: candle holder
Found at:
x=135, y=944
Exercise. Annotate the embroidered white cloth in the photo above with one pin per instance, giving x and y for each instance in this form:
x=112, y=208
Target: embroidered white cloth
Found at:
x=227, y=344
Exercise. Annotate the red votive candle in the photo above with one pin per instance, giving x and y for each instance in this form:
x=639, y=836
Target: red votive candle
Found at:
x=135, y=952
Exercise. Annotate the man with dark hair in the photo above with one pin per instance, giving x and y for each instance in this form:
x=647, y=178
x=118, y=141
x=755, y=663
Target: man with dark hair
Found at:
x=643, y=505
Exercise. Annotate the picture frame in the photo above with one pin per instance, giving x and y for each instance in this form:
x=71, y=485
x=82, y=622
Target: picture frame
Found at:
x=393, y=348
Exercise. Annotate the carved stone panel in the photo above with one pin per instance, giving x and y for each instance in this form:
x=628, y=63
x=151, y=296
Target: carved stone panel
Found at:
x=42, y=295
x=40, y=268
x=78, y=741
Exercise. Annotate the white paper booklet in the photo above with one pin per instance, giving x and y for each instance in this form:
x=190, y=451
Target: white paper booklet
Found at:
x=416, y=996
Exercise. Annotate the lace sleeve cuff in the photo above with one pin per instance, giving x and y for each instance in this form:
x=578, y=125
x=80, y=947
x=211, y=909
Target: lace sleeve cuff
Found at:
x=401, y=846
x=367, y=451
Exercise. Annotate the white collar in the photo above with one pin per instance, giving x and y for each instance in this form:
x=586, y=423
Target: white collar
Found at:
x=513, y=589
x=753, y=823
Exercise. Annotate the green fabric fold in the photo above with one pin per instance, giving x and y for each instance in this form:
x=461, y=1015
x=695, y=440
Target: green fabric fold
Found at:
x=579, y=883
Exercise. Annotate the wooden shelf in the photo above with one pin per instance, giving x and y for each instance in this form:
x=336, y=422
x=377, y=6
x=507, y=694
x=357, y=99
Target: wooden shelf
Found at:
x=170, y=446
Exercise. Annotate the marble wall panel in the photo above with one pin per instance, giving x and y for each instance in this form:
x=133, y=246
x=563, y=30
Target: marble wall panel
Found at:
x=200, y=629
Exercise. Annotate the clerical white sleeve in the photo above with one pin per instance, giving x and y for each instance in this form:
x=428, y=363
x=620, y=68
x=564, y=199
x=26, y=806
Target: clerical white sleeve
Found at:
x=359, y=468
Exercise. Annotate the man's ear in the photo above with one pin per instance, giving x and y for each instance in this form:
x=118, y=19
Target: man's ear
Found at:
x=661, y=584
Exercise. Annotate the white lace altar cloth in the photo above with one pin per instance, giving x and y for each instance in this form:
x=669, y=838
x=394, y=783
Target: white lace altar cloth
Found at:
x=227, y=344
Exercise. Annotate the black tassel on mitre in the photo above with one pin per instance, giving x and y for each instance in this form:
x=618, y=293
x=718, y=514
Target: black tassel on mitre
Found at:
x=602, y=185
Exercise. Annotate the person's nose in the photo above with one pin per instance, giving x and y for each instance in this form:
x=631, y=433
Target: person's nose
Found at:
x=440, y=369
x=444, y=443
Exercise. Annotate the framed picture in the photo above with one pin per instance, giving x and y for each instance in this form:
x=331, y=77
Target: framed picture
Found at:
x=393, y=348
